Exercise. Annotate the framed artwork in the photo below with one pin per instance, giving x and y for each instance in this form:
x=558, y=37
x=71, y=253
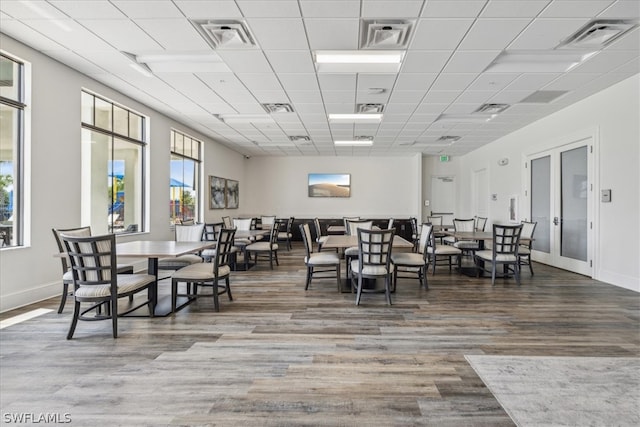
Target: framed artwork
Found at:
x=217, y=188
x=232, y=193
x=513, y=209
x=329, y=185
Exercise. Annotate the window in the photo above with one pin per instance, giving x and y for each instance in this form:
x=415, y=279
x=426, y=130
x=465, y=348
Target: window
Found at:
x=12, y=106
x=185, y=178
x=113, y=153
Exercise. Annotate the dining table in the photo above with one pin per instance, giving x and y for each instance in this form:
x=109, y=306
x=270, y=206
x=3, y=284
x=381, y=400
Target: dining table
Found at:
x=153, y=250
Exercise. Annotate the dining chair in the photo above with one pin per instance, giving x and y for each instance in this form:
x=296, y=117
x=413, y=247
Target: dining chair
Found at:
x=269, y=247
x=183, y=233
x=374, y=261
x=207, y=274
x=465, y=245
x=324, y=261
x=526, y=243
x=96, y=280
x=228, y=223
x=320, y=238
x=436, y=221
x=504, y=251
x=438, y=252
x=284, y=234
x=267, y=220
x=413, y=262
x=349, y=218
x=481, y=223
x=210, y=234
x=390, y=224
x=352, y=230
x=67, y=274
x=415, y=233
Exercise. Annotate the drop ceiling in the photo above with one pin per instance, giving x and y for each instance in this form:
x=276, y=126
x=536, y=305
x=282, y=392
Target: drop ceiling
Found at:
x=429, y=103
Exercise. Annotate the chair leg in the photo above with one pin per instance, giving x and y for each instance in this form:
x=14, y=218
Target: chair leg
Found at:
x=114, y=316
x=516, y=272
x=216, y=302
x=270, y=259
x=387, y=289
x=424, y=274
x=74, y=321
x=493, y=273
x=395, y=277
x=63, y=299
x=228, y=284
x=174, y=294
x=359, y=291
x=309, y=273
x=275, y=254
x=338, y=277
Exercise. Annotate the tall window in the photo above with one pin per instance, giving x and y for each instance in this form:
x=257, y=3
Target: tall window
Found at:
x=12, y=106
x=185, y=178
x=113, y=152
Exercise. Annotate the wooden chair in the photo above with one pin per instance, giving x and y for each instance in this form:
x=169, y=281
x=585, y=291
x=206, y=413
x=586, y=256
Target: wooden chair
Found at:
x=96, y=280
x=325, y=261
x=526, y=243
x=269, y=247
x=320, y=238
x=183, y=233
x=504, y=251
x=374, y=261
x=439, y=251
x=414, y=262
x=285, y=235
x=436, y=221
x=466, y=246
x=208, y=274
x=352, y=230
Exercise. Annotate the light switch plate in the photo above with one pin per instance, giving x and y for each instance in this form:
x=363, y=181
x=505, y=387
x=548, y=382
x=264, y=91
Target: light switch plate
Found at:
x=605, y=196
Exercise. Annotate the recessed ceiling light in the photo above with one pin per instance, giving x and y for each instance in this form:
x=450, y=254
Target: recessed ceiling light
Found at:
x=354, y=142
x=181, y=62
x=358, y=61
x=465, y=118
x=356, y=118
x=538, y=61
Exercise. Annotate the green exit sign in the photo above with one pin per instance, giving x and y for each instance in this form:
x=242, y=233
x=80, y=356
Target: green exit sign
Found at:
x=445, y=158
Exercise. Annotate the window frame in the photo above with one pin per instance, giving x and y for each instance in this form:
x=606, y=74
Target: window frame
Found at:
x=173, y=152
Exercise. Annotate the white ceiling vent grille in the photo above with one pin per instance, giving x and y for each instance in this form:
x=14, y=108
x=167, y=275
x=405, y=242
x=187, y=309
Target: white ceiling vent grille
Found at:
x=447, y=139
x=492, y=108
x=543, y=96
x=225, y=34
x=385, y=34
x=598, y=33
x=277, y=108
x=369, y=108
x=300, y=139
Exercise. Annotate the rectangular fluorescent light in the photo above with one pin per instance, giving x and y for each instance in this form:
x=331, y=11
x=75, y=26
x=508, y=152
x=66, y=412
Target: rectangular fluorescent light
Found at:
x=551, y=61
x=183, y=62
x=358, y=61
x=356, y=118
x=355, y=142
x=465, y=118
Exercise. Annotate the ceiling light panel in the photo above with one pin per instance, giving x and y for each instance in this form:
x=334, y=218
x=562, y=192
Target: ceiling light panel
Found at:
x=355, y=118
x=356, y=61
x=549, y=61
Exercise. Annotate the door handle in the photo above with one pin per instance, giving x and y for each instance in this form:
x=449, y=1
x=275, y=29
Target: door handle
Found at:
x=555, y=220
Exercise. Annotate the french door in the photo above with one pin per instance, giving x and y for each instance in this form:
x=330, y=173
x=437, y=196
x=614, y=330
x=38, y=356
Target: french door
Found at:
x=561, y=202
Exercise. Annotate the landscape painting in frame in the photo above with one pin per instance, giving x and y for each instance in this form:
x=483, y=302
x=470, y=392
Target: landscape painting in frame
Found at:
x=233, y=194
x=329, y=185
x=217, y=188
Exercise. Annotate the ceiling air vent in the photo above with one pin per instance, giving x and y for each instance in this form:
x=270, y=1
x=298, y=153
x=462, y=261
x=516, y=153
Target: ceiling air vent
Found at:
x=300, y=139
x=598, y=33
x=278, y=108
x=225, y=34
x=447, y=139
x=492, y=108
x=543, y=96
x=385, y=34
x=369, y=108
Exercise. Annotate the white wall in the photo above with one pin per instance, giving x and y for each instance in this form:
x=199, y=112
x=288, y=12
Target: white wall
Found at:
x=31, y=273
x=613, y=117
x=380, y=187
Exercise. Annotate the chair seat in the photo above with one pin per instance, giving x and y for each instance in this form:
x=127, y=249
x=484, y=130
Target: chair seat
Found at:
x=178, y=262
x=322, y=258
x=126, y=283
x=200, y=272
x=523, y=250
x=208, y=253
x=449, y=239
x=487, y=255
x=369, y=270
x=444, y=250
x=262, y=246
x=408, y=258
x=322, y=239
x=353, y=251
x=122, y=268
x=466, y=244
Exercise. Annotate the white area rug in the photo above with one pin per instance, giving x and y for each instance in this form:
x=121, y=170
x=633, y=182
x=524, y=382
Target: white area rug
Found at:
x=564, y=391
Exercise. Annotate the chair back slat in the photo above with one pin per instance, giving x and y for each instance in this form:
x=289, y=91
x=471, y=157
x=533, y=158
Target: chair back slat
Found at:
x=527, y=229
x=75, y=232
x=93, y=259
x=224, y=248
x=425, y=235
x=481, y=223
x=506, y=238
x=352, y=226
x=374, y=247
x=305, y=231
x=211, y=231
x=268, y=220
x=242, y=224
x=464, y=224
x=226, y=220
x=189, y=233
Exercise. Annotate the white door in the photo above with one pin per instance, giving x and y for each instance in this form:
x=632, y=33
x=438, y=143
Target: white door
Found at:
x=443, y=197
x=561, y=199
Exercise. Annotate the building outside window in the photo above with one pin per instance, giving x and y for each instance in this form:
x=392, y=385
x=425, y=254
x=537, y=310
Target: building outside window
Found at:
x=113, y=162
x=184, y=193
x=12, y=117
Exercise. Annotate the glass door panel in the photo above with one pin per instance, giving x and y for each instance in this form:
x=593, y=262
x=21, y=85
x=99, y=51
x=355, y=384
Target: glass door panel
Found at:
x=573, y=230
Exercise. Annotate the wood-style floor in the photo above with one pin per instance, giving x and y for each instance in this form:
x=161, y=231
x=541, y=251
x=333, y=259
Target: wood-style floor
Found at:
x=279, y=355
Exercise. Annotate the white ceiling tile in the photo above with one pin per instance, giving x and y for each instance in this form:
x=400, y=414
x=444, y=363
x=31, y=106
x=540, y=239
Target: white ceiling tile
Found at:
x=79, y=38
x=340, y=96
x=546, y=33
x=415, y=81
x=367, y=81
x=470, y=60
x=296, y=61
x=488, y=34
x=245, y=61
x=80, y=63
x=429, y=107
x=304, y=96
x=98, y=9
x=440, y=34
x=307, y=81
x=332, y=34
x=39, y=10
x=492, y=81
x=367, y=98
x=28, y=35
x=630, y=41
x=390, y=9
x=453, y=81
x=475, y=96
x=147, y=9
x=399, y=108
x=330, y=9
x=260, y=81
x=510, y=96
x=192, y=87
x=514, y=9
x=570, y=81
x=530, y=81
x=461, y=108
x=122, y=34
x=575, y=8
x=406, y=96
x=337, y=81
x=622, y=9
x=212, y=9
x=269, y=9
x=174, y=34
x=452, y=9
x=423, y=61
x=605, y=61
x=279, y=34
x=439, y=97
